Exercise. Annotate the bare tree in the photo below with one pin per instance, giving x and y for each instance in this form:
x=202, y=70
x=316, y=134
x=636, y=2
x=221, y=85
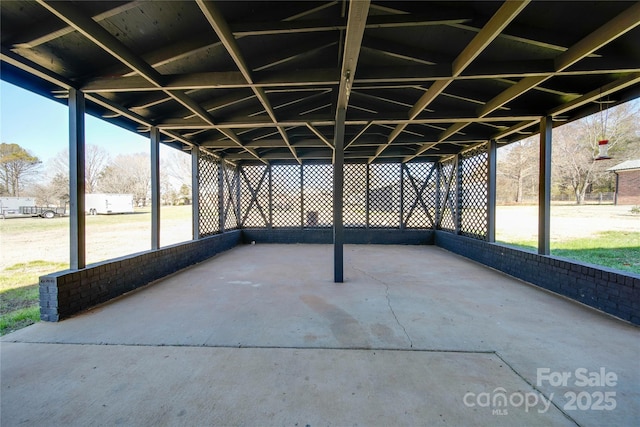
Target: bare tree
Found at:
x=17, y=165
x=54, y=192
x=575, y=147
x=130, y=174
x=517, y=169
x=96, y=160
x=178, y=167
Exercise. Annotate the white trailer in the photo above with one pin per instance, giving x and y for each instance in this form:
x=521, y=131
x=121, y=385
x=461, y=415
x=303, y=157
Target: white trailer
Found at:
x=106, y=204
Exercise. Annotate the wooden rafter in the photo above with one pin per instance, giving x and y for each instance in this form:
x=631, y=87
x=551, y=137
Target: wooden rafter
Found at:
x=102, y=38
x=507, y=12
x=220, y=26
x=613, y=29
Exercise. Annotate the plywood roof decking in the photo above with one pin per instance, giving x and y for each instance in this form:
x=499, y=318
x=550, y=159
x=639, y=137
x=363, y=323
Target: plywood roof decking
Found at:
x=261, y=81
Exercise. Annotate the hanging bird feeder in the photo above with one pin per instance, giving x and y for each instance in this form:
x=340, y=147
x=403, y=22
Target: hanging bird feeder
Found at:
x=603, y=142
x=603, y=148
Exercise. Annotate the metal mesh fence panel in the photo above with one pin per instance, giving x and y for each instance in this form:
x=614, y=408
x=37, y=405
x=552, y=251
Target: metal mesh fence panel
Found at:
x=355, y=195
x=286, y=203
x=384, y=195
x=317, y=195
x=419, y=195
x=474, y=192
x=209, y=222
x=231, y=195
x=451, y=196
x=447, y=193
x=254, y=190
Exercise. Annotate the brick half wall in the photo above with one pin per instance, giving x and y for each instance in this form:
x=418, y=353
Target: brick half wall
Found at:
x=358, y=236
x=611, y=291
x=68, y=292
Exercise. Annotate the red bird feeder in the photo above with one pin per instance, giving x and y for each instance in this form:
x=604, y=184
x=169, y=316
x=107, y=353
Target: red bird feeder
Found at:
x=603, y=147
x=603, y=143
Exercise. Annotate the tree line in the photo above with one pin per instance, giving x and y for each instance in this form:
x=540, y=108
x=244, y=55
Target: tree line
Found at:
x=24, y=174
x=575, y=172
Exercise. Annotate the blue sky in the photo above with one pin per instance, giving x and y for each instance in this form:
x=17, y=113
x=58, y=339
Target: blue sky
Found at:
x=40, y=125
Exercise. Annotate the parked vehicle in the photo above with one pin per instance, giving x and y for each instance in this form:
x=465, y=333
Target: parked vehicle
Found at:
x=107, y=204
x=15, y=207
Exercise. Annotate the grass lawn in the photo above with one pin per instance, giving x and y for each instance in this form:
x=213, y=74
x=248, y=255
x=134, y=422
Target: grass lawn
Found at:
x=19, y=300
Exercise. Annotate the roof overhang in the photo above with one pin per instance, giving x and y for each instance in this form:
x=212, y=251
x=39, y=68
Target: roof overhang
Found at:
x=261, y=81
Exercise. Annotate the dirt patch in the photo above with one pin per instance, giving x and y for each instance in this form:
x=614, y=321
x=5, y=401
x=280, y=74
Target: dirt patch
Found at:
x=520, y=223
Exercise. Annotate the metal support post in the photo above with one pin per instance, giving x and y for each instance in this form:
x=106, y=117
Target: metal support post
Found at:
x=491, y=190
x=195, y=192
x=301, y=195
x=155, y=187
x=270, y=225
x=402, y=171
x=221, y=200
x=237, y=197
x=77, y=236
x=458, y=213
x=367, y=205
x=438, y=214
x=544, y=187
x=338, y=195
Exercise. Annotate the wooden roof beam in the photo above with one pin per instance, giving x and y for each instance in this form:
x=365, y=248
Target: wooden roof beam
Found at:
x=498, y=22
x=102, y=38
x=613, y=29
x=43, y=32
x=592, y=96
x=220, y=26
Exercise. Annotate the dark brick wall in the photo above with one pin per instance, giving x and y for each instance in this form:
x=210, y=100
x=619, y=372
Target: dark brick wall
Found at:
x=628, y=191
x=351, y=236
x=65, y=293
x=608, y=290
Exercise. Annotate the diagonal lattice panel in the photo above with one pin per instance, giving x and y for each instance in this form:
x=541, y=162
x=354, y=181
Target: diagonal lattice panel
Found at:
x=254, y=196
x=231, y=196
x=208, y=195
x=355, y=195
x=447, y=192
x=474, y=193
x=384, y=195
x=286, y=200
x=419, y=195
x=317, y=195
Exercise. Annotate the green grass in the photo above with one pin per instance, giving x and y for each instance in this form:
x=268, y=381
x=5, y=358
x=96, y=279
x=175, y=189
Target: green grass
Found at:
x=614, y=249
x=19, y=319
x=19, y=294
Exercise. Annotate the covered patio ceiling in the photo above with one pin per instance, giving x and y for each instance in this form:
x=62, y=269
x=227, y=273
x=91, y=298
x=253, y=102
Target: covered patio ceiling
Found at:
x=263, y=81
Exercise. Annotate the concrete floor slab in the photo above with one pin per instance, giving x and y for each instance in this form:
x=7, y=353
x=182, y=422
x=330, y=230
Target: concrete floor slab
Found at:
x=144, y=385
x=416, y=327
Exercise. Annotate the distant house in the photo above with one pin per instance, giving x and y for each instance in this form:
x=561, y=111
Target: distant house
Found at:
x=627, y=182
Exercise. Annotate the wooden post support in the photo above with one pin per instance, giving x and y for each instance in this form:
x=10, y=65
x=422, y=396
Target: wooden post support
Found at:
x=77, y=237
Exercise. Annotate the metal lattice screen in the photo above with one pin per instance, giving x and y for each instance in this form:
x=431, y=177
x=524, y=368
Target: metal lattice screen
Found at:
x=355, y=195
x=446, y=208
x=286, y=192
x=254, y=193
x=450, y=195
x=317, y=195
x=231, y=196
x=208, y=195
x=474, y=192
x=419, y=195
x=384, y=195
